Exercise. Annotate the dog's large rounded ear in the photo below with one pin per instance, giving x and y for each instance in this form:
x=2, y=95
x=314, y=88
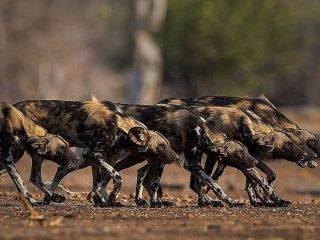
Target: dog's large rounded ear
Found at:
x=220, y=149
x=139, y=136
x=272, y=140
x=255, y=139
x=40, y=144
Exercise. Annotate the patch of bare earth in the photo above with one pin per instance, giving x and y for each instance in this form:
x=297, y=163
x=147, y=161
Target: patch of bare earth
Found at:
x=78, y=219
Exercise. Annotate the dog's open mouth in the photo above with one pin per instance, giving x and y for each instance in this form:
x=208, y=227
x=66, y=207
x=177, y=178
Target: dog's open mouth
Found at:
x=312, y=164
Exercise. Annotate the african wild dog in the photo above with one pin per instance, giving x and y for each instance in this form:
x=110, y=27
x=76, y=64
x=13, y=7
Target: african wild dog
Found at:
x=270, y=114
x=103, y=130
x=89, y=124
x=189, y=135
x=238, y=125
x=19, y=134
x=247, y=127
x=157, y=150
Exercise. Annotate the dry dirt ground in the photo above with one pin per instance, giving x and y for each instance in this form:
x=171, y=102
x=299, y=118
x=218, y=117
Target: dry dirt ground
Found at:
x=77, y=218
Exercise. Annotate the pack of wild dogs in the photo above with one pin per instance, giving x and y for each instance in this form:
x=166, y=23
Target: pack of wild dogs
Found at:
x=239, y=132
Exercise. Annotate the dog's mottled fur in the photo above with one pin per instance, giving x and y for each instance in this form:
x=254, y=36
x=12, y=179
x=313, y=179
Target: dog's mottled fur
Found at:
x=188, y=134
x=89, y=124
x=157, y=152
x=18, y=134
x=268, y=113
x=253, y=132
x=247, y=127
x=104, y=131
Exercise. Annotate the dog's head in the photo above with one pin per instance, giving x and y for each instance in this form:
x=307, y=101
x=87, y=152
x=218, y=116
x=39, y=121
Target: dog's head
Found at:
x=262, y=141
x=53, y=147
x=152, y=145
x=290, y=148
x=312, y=141
x=235, y=154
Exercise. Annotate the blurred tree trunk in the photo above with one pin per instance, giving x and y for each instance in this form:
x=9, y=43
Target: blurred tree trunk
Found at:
x=3, y=43
x=148, y=16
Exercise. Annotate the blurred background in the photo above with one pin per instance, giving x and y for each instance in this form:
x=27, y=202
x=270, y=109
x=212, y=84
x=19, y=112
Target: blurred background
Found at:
x=140, y=51
x=144, y=50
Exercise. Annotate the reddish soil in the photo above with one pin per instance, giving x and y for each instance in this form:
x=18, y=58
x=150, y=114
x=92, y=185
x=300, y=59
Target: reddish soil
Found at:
x=77, y=218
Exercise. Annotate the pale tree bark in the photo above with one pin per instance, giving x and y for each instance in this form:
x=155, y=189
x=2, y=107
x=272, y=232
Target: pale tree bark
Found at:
x=3, y=43
x=147, y=73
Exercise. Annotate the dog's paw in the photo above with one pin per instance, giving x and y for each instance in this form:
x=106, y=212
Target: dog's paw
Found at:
x=287, y=203
x=168, y=204
x=116, y=204
x=38, y=203
x=257, y=204
x=216, y=204
x=142, y=203
x=237, y=205
x=283, y=203
x=156, y=204
x=203, y=203
x=46, y=199
x=99, y=201
x=57, y=198
x=112, y=202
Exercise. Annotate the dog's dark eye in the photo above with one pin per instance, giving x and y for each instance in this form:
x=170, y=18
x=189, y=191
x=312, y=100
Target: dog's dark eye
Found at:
x=311, y=141
x=288, y=144
x=240, y=154
x=110, y=136
x=162, y=146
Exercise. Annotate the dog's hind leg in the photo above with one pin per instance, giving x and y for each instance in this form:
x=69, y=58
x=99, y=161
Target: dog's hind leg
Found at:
x=8, y=163
x=105, y=179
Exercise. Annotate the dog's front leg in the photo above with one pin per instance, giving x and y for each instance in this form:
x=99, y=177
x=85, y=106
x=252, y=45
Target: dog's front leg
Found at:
x=36, y=179
x=271, y=178
x=193, y=156
x=141, y=174
x=61, y=172
x=152, y=183
x=264, y=191
x=201, y=189
x=198, y=171
x=254, y=200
